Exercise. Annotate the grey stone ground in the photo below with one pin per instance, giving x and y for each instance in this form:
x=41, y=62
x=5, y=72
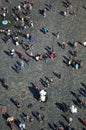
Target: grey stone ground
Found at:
x=71, y=28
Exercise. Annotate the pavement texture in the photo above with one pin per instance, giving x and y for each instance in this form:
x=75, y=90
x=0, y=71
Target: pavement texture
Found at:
x=21, y=85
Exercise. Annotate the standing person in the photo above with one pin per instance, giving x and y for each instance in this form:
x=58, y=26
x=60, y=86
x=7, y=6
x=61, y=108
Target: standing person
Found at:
x=31, y=54
x=31, y=23
x=70, y=121
x=31, y=119
x=4, y=15
x=75, y=44
x=28, y=61
x=44, y=12
x=12, y=53
x=40, y=118
x=27, y=35
x=45, y=29
x=84, y=122
x=45, y=58
x=30, y=8
x=57, y=35
x=64, y=45
x=66, y=13
x=19, y=8
x=20, y=53
x=37, y=86
x=22, y=64
x=84, y=44
x=70, y=61
x=47, y=83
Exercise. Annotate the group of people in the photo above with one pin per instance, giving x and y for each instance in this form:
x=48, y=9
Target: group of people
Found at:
x=21, y=22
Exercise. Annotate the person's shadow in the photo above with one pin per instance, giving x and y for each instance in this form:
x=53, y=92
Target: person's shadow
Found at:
x=34, y=91
x=17, y=122
x=59, y=44
x=61, y=13
x=13, y=101
x=51, y=126
x=60, y=106
x=35, y=114
x=80, y=120
x=41, y=11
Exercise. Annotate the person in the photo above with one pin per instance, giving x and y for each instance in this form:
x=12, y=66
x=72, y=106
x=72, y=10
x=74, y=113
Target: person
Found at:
x=31, y=119
x=70, y=61
x=84, y=122
x=31, y=24
x=22, y=64
x=5, y=9
x=27, y=35
x=84, y=44
x=22, y=126
x=43, y=95
x=25, y=5
x=4, y=15
x=75, y=44
x=70, y=121
x=39, y=57
x=12, y=53
x=74, y=53
x=73, y=109
x=26, y=117
x=44, y=12
x=64, y=45
x=66, y=13
x=12, y=126
x=45, y=57
x=57, y=35
x=53, y=55
x=45, y=30
x=76, y=66
x=28, y=47
x=20, y=53
x=47, y=84
x=37, y=86
x=61, y=128
x=40, y=118
x=28, y=60
x=19, y=8
x=30, y=7
x=51, y=79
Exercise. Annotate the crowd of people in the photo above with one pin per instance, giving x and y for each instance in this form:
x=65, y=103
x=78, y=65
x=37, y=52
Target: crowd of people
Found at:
x=21, y=15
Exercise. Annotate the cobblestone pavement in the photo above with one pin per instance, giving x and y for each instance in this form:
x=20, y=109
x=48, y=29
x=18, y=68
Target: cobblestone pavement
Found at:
x=71, y=28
